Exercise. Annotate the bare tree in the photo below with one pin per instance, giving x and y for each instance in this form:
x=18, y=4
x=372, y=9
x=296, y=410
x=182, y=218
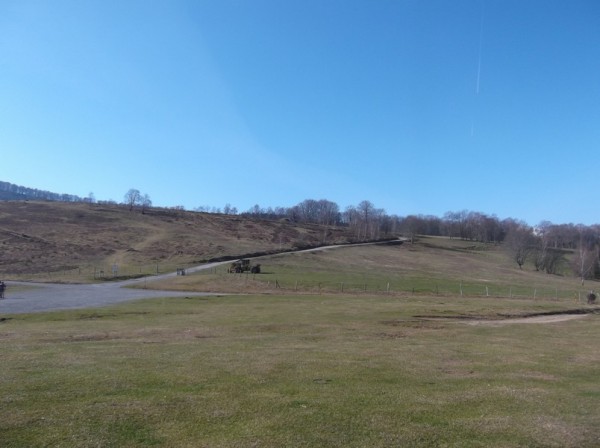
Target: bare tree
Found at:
x=555, y=258
x=145, y=202
x=229, y=210
x=412, y=225
x=308, y=211
x=317, y=212
x=389, y=224
x=520, y=240
x=585, y=263
x=366, y=210
x=255, y=210
x=351, y=217
x=132, y=198
x=456, y=224
x=547, y=258
x=329, y=212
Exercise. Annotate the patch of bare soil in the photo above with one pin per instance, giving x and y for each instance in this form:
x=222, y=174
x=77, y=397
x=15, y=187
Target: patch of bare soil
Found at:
x=529, y=320
x=536, y=318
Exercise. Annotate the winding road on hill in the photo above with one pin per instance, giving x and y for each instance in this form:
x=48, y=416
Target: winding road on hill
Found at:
x=29, y=297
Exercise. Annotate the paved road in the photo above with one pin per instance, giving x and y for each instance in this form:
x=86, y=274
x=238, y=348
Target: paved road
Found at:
x=26, y=297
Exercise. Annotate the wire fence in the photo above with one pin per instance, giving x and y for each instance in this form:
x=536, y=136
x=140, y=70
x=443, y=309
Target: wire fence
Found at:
x=460, y=290
x=102, y=272
x=421, y=286
x=272, y=282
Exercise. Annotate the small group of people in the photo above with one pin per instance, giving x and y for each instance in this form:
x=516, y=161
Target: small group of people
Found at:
x=2, y=289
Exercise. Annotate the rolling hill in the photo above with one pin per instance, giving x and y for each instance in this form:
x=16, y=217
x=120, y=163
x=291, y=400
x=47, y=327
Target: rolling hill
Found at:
x=46, y=237
x=79, y=242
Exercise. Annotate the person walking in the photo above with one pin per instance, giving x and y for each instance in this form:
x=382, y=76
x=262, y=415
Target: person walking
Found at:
x=2, y=289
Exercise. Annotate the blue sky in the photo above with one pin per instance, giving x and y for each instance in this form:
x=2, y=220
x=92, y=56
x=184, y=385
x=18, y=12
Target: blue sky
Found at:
x=420, y=106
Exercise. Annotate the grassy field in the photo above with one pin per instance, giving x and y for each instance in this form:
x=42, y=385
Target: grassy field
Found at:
x=441, y=266
x=378, y=346
x=300, y=370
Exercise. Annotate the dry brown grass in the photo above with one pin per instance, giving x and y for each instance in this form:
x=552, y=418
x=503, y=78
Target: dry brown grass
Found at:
x=45, y=237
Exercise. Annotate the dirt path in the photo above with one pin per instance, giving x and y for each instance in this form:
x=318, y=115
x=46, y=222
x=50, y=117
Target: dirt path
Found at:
x=529, y=320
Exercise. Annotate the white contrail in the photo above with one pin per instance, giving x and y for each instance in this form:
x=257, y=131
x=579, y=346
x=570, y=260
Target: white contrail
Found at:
x=478, y=74
x=478, y=82
x=480, y=51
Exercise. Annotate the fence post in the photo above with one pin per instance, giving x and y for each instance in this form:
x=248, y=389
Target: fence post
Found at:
x=388, y=288
x=534, y=293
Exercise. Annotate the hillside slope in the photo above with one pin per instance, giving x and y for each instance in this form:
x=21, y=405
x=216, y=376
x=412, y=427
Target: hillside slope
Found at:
x=40, y=237
x=429, y=266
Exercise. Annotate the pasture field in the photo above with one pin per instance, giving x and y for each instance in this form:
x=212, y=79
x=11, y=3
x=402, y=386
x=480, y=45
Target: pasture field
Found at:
x=341, y=370
x=412, y=345
x=431, y=266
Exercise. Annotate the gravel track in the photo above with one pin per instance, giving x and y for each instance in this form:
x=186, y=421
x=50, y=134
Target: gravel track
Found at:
x=29, y=297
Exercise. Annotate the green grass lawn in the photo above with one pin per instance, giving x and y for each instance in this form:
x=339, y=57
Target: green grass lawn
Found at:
x=302, y=371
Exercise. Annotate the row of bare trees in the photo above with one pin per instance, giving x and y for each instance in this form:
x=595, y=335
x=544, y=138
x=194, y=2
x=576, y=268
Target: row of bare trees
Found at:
x=18, y=192
x=548, y=247
x=366, y=220
x=315, y=211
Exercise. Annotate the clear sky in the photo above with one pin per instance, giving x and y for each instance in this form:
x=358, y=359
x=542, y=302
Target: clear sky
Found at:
x=420, y=106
